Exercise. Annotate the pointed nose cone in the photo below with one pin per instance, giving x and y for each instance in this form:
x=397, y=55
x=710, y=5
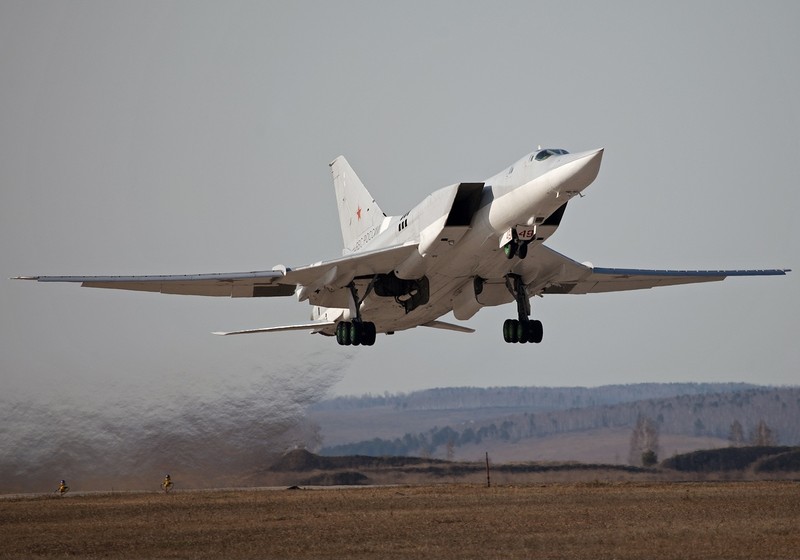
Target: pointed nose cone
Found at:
x=580, y=170
x=591, y=159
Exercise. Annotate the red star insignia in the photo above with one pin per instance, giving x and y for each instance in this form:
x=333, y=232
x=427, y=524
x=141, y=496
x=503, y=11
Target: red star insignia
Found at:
x=358, y=213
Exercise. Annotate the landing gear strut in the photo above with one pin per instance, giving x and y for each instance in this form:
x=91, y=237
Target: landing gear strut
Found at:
x=523, y=329
x=356, y=332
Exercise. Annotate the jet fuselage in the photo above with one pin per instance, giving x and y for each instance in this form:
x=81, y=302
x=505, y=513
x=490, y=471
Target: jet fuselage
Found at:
x=451, y=258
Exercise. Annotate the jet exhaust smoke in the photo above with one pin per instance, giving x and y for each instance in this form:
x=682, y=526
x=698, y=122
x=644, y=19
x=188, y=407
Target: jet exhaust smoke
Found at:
x=225, y=439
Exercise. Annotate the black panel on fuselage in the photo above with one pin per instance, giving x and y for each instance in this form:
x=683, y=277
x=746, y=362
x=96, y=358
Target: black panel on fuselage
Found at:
x=465, y=205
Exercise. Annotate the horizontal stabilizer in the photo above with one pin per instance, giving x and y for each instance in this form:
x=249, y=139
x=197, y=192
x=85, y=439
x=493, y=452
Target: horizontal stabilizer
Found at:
x=310, y=327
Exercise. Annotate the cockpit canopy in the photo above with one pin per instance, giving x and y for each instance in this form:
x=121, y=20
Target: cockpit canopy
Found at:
x=542, y=155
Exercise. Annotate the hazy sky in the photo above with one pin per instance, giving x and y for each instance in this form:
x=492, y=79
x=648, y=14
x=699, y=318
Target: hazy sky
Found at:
x=187, y=137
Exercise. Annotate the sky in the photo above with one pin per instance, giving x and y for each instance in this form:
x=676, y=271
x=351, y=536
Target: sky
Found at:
x=188, y=137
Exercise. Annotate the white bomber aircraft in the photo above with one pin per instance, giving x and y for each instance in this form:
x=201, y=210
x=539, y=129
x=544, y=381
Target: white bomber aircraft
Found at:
x=464, y=247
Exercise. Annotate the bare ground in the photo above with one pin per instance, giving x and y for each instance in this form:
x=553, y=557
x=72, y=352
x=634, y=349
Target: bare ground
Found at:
x=552, y=520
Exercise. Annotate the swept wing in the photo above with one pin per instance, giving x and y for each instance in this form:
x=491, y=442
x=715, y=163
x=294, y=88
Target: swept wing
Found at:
x=549, y=272
x=280, y=281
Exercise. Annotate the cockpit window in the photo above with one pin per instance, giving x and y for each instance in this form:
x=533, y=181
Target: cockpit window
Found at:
x=546, y=153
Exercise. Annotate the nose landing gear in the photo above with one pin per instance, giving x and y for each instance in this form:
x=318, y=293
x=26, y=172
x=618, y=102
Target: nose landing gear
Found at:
x=515, y=241
x=514, y=248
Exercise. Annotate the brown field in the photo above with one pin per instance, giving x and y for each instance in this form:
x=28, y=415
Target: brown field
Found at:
x=552, y=520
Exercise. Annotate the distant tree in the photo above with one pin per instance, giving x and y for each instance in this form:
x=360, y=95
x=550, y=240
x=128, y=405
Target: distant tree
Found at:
x=649, y=458
x=699, y=427
x=468, y=436
x=736, y=435
x=763, y=435
x=644, y=441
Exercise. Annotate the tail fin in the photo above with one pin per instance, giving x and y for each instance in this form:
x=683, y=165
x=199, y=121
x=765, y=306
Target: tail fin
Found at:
x=358, y=211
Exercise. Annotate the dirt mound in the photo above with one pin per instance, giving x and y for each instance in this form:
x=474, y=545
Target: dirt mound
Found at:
x=300, y=460
x=725, y=459
x=347, y=478
x=786, y=462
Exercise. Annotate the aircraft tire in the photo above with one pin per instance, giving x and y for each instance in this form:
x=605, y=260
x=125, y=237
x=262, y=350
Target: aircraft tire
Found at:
x=353, y=333
x=369, y=333
x=356, y=333
x=522, y=250
x=527, y=331
x=536, y=332
x=510, y=249
x=343, y=333
x=507, y=330
x=513, y=331
x=522, y=332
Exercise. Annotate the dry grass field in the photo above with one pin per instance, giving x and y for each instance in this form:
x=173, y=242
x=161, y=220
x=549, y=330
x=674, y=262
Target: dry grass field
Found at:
x=555, y=520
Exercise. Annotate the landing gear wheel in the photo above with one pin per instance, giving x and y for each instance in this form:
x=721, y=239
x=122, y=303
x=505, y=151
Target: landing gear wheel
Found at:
x=355, y=333
x=536, y=331
x=511, y=331
x=510, y=249
x=522, y=332
x=522, y=250
x=507, y=329
x=343, y=333
x=369, y=333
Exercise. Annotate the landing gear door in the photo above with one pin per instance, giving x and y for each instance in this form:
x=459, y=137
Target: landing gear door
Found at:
x=522, y=233
x=526, y=233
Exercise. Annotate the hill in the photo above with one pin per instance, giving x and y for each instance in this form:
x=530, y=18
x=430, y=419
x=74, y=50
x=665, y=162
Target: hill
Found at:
x=301, y=467
x=761, y=459
x=584, y=424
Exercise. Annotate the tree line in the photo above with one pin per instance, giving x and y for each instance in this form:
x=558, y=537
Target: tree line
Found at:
x=533, y=399
x=769, y=416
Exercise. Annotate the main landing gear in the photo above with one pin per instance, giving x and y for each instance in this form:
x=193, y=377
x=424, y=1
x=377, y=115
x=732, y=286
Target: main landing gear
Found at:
x=356, y=332
x=523, y=329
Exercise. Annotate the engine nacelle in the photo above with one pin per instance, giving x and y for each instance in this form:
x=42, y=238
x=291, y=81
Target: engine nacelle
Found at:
x=410, y=293
x=466, y=303
x=477, y=294
x=320, y=313
x=413, y=267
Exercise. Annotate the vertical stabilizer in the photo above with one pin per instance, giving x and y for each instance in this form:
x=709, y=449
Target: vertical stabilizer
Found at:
x=358, y=211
